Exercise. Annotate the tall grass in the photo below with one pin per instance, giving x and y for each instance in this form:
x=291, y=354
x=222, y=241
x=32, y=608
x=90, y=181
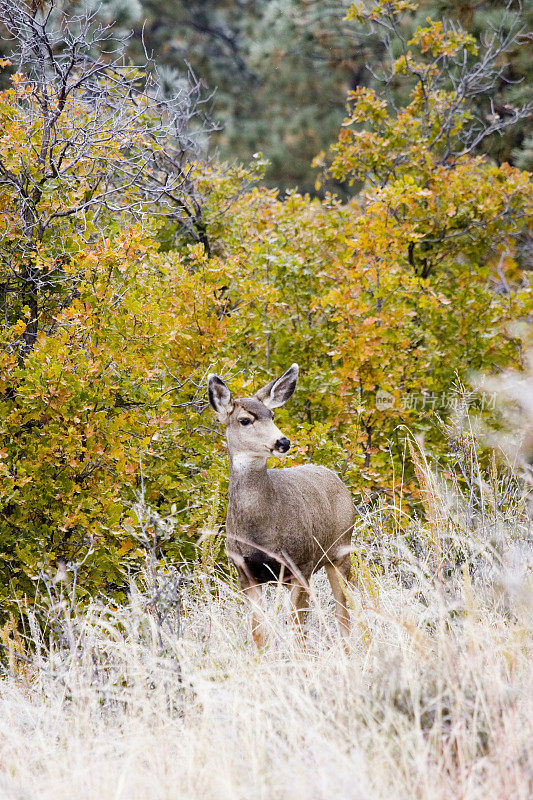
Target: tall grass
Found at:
x=167, y=697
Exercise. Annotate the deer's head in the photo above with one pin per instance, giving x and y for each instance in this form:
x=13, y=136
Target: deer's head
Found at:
x=251, y=432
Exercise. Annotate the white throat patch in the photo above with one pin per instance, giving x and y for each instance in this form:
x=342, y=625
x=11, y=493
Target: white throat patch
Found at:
x=248, y=461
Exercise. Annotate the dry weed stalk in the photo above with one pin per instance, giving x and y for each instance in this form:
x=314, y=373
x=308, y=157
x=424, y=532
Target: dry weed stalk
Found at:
x=514, y=393
x=430, y=497
x=211, y=541
x=18, y=660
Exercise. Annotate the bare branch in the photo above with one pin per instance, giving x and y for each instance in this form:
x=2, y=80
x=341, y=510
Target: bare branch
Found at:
x=102, y=138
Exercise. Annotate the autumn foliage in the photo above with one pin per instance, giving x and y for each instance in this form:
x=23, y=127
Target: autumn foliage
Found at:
x=398, y=293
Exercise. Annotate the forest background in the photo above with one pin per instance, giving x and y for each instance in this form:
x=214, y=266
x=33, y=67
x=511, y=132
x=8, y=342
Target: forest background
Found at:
x=219, y=209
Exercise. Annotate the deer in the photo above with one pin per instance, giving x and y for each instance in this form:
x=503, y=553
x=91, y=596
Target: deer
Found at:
x=284, y=524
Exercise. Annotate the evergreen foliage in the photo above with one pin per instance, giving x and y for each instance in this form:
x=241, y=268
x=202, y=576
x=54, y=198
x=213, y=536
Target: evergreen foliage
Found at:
x=282, y=69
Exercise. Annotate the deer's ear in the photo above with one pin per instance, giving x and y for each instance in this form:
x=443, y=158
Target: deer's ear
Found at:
x=219, y=397
x=277, y=392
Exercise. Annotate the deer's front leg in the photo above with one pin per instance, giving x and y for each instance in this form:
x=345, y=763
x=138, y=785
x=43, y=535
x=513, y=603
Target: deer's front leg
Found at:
x=300, y=607
x=337, y=576
x=254, y=594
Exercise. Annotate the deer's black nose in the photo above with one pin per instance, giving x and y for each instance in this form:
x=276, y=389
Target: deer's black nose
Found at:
x=282, y=445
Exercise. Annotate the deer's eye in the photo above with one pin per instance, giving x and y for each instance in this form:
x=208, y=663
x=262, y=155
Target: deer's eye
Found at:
x=245, y=421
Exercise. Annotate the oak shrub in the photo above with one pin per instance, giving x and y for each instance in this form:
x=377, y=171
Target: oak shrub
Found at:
x=404, y=290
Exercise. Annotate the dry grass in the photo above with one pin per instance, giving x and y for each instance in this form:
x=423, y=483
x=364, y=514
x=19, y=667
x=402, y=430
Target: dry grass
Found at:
x=167, y=700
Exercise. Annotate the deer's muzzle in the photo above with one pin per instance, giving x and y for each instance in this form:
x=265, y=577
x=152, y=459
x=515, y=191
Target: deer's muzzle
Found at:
x=282, y=445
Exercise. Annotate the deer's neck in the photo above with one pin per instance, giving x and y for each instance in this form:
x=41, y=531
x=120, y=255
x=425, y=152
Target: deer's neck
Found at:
x=249, y=493
x=246, y=467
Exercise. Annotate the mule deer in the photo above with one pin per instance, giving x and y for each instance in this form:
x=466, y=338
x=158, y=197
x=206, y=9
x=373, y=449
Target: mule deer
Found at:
x=282, y=524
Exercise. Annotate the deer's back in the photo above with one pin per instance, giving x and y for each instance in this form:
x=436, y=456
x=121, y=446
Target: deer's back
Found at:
x=303, y=514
